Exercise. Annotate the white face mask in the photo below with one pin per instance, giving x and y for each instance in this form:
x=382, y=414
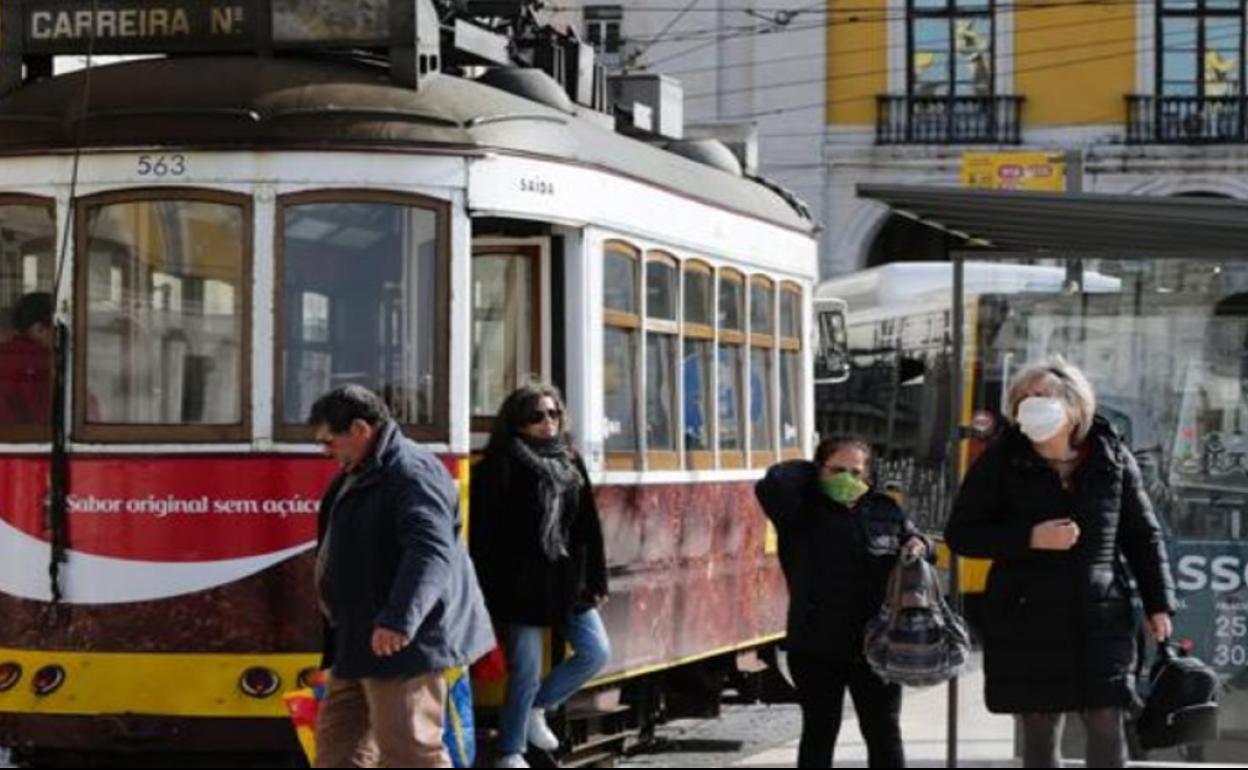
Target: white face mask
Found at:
x=1041, y=418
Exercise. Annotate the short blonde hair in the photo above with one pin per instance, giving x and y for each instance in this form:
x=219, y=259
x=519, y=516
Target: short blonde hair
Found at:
x=1072, y=387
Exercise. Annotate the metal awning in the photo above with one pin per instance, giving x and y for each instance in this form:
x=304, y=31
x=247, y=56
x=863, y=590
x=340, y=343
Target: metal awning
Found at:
x=1068, y=223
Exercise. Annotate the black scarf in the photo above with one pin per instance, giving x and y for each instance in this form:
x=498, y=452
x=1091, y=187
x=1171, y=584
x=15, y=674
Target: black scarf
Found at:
x=559, y=483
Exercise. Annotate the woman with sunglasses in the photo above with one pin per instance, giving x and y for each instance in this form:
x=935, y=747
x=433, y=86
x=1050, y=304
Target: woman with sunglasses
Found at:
x=537, y=544
x=838, y=541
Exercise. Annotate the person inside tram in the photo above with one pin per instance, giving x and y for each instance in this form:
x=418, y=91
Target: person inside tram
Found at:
x=26, y=363
x=1052, y=502
x=838, y=540
x=537, y=542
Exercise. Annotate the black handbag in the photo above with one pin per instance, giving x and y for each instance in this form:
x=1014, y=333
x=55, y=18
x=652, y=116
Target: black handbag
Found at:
x=1181, y=706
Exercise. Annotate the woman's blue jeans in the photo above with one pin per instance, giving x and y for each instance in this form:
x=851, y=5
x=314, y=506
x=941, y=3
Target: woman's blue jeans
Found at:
x=526, y=690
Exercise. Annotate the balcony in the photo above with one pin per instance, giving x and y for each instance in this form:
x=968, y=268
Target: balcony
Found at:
x=948, y=120
x=1185, y=119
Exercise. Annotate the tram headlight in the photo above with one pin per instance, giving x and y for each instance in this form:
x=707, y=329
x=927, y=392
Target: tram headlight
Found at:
x=309, y=677
x=48, y=680
x=10, y=675
x=258, y=682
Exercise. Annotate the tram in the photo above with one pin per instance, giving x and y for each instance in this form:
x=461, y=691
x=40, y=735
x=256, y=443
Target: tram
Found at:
x=221, y=234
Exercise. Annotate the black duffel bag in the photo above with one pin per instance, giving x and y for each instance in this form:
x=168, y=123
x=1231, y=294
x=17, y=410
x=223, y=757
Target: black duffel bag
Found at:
x=1181, y=707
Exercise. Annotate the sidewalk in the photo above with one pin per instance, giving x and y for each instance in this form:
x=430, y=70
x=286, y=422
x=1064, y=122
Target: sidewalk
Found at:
x=984, y=740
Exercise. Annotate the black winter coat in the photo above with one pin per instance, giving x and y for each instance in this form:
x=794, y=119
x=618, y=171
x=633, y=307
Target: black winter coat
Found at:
x=521, y=584
x=835, y=559
x=395, y=561
x=1059, y=631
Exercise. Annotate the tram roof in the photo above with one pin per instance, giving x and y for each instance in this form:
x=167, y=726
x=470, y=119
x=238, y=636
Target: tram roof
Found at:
x=227, y=102
x=1074, y=223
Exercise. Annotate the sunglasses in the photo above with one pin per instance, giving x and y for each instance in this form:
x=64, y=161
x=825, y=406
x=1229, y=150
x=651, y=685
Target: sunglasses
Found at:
x=537, y=415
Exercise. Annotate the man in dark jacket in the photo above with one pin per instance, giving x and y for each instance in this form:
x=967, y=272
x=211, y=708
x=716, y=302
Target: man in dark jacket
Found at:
x=838, y=540
x=397, y=589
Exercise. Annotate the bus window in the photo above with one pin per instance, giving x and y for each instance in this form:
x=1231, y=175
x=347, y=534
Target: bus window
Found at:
x=27, y=234
x=362, y=282
x=163, y=316
x=832, y=356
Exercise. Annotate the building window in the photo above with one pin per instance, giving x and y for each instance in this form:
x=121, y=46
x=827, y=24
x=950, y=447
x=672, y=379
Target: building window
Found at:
x=163, y=315
x=952, y=51
x=27, y=236
x=1202, y=48
x=661, y=340
x=731, y=396
x=602, y=28
x=363, y=299
x=622, y=317
x=699, y=363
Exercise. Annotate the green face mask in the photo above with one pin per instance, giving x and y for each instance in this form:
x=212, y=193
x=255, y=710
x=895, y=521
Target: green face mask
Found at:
x=844, y=488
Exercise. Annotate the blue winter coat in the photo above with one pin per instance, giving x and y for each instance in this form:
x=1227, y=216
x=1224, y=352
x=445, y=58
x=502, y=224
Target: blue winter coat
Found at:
x=395, y=561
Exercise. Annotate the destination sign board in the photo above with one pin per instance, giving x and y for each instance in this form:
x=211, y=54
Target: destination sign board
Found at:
x=133, y=26
x=156, y=26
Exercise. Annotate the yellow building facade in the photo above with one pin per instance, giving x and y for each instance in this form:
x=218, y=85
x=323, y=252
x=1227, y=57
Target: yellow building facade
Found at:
x=1140, y=96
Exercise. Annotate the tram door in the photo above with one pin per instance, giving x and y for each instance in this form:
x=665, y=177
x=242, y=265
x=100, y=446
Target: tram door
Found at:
x=510, y=321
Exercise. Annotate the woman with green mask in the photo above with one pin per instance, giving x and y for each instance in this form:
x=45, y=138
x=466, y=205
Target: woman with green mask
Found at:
x=838, y=541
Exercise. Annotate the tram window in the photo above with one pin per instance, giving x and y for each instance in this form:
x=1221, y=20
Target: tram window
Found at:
x=660, y=389
x=698, y=363
x=731, y=302
x=762, y=341
x=699, y=301
x=661, y=349
x=27, y=235
x=790, y=399
x=760, y=406
x=790, y=313
x=363, y=300
x=731, y=362
x=698, y=399
x=620, y=279
x=660, y=289
x=621, y=338
x=731, y=415
x=505, y=327
x=620, y=351
x=761, y=306
x=163, y=317
x=790, y=369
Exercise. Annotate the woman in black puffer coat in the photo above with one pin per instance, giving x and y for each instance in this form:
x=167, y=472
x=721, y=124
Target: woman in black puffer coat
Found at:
x=1054, y=502
x=838, y=541
x=537, y=543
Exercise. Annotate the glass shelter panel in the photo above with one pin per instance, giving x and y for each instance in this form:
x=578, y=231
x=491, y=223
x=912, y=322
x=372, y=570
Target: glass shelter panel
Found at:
x=1164, y=344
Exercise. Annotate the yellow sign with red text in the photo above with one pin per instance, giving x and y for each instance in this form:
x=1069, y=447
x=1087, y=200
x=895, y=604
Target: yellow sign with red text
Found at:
x=1042, y=171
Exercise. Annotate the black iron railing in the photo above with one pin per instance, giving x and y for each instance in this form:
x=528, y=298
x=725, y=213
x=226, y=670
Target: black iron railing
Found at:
x=948, y=120
x=1185, y=119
